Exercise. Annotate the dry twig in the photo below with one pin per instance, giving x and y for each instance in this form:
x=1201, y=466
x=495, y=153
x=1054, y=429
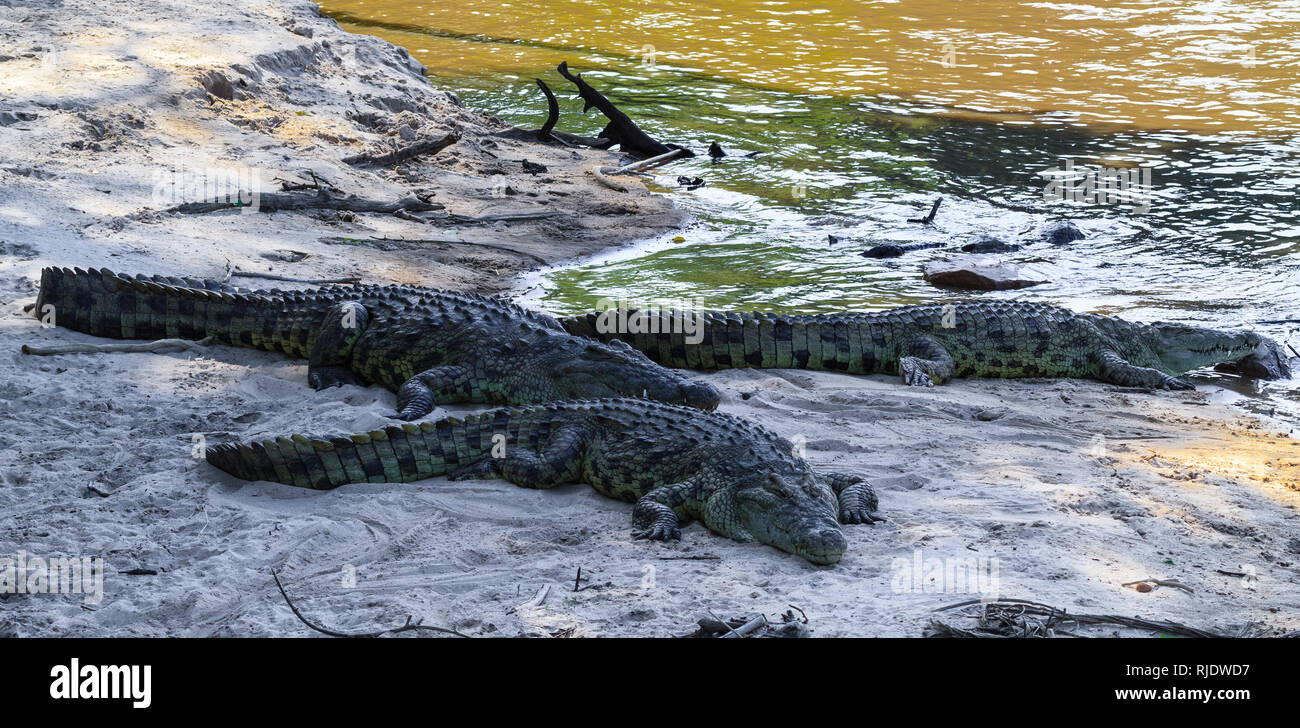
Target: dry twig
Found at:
x=408, y=627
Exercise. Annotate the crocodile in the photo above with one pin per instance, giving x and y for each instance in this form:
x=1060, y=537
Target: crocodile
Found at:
x=930, y=344
x=675, y=463
x=429, y=346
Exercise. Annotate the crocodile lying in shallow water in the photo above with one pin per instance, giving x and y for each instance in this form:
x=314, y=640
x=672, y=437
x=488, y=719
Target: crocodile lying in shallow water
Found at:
x=928, y=345
x=676, y=464
x=429, y=346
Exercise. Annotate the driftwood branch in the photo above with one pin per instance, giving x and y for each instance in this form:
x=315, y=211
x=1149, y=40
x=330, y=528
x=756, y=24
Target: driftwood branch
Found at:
x=507, y=217
x=408, y=627
x=536, y=601
x=125, y=348
x=1006, y=619
x=420, y=148
x=318, y=200
x=934, y=209
x=552, y=112
x=314, y=281
x=315, y=184
x=746, y=628
x=383, y=243
x=600, y=172
x=621, y=129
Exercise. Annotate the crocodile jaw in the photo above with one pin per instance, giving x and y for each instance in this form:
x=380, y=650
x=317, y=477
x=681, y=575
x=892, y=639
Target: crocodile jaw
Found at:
x=798, y=519
x=1182, y=348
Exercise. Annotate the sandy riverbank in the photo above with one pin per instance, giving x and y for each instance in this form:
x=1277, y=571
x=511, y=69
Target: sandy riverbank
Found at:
x=1066, y=490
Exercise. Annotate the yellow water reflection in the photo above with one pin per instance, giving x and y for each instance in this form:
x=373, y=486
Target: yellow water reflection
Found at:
x=1163, y=64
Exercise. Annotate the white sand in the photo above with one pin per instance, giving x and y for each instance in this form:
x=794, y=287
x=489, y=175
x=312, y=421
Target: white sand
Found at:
x=1073, y=487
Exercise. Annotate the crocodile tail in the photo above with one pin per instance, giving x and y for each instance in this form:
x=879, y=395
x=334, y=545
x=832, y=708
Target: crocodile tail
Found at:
x=395, y=454
x=731, y=340
x=672, y=338
x=104, y=303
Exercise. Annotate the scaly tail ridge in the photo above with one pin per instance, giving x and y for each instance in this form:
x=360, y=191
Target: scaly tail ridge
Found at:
x=395, y=454
x=104, y=303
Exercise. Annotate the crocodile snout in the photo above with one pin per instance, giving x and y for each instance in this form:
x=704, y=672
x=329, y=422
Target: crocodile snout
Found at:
x=701, y=395
x=824, y=546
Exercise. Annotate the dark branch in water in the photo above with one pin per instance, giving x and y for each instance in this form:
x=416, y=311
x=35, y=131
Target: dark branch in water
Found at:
x=621, y=130
x=928, y=218
x=552, y=112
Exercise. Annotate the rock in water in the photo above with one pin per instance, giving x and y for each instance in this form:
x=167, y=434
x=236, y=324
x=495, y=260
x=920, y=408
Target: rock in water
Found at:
x=1060, y=232
x=888, y=250
x=989, y=244
x=893, y=250
x=971, y=274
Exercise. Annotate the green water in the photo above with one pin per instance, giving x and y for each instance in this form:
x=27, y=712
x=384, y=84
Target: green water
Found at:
x=1220, y=244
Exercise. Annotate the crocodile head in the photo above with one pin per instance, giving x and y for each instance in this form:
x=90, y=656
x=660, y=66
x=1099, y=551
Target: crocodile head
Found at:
x=593, y=369
x=795, y=513
x=1181, y=348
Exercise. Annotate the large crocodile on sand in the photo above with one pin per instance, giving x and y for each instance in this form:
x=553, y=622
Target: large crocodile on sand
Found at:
x=429, y=346
x=676, y=464
x=931, y=344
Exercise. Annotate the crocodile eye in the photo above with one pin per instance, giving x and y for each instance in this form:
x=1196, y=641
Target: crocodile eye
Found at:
x=778, y=487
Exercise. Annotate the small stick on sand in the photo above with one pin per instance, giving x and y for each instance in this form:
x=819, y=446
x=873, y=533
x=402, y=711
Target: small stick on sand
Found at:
x=408, y=627
x=536, y=601
x=1162, y=582
x=746, y=628
x=131, y=348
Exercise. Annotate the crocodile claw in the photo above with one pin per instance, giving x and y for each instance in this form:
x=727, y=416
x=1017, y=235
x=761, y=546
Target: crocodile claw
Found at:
x=913, y=374
x=659, y=532
x=1178, y=384
x=857, y=502
x=326, y=377
x=858, y=515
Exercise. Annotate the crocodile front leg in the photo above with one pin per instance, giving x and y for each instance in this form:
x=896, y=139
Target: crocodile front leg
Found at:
x=327, y=364
x=1114, y=369
x=927, y=363
x=420, y=393
x=857, y=499
x=655, y=514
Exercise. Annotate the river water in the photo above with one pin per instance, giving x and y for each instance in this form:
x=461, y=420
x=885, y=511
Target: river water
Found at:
x=862, y=113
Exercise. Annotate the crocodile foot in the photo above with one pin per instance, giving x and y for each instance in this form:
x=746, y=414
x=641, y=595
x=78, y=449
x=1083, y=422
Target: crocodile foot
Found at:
x=858, y=503
x=913, y=373
x=655, y=521
x=330, y=376
x=410, y=413
x=1177, y=384
x=659, y=532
